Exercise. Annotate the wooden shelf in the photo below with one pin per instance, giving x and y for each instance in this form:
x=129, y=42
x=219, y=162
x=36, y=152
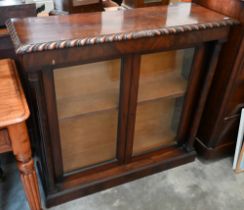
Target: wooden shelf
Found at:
x=160, y=75
x=162, y=85
x=92, y=136
x=87, y=88
x=69, y=108
x=99, y=89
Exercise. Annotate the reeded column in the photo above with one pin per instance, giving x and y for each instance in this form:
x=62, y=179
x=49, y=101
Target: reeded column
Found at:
x=22, y=151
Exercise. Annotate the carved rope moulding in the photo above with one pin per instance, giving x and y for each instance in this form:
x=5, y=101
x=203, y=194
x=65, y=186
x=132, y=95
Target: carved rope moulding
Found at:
x=38, y=47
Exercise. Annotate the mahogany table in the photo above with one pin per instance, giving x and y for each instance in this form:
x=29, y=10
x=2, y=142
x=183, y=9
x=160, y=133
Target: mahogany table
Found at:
x=13, y=133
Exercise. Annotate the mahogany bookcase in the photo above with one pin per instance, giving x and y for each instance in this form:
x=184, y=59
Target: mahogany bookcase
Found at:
x=116, y=96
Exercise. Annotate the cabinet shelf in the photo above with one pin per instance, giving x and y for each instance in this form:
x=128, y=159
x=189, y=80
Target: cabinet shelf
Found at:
x=87, y=88
x=161, y=77
x=161, y=85
x=76, y=106
x=98, y=142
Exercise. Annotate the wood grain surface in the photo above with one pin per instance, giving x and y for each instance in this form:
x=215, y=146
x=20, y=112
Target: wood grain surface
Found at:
x=13, y=106
x=93, y=28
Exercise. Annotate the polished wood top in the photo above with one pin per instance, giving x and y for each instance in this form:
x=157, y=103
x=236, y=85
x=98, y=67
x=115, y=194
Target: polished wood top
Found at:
x=48, y=33
x=13, y=106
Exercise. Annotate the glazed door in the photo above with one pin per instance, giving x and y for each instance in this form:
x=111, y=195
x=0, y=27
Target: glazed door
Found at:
x=110, y=111
x=87, y=101
x=162, y=88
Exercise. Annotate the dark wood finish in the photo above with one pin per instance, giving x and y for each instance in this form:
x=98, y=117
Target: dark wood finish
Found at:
x=192, y=92
x=6, y=46
x=13, y=132
x=129, y=4
x=78, y=6
x=135, y=66
x=12, y=9
x=231, y=8
x=130, y=35
x=213, y=53
x=15, y=8
x=126, y=83
x=220, y=151
x=49, y=92
x=127, y=25
x=217, y=134
x=119, y=175
x=41, y=135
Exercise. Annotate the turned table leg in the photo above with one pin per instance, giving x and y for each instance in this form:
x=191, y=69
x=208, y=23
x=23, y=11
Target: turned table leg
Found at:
x=22, y=151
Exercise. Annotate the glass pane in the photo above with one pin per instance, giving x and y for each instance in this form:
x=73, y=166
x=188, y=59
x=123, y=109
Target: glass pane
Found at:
x=162, y=87
x=87, y=103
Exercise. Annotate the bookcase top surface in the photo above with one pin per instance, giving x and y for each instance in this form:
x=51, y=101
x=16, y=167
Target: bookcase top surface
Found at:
x=48, y=33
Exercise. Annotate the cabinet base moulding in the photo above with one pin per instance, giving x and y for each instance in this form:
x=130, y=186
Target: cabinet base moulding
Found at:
x=139, y=168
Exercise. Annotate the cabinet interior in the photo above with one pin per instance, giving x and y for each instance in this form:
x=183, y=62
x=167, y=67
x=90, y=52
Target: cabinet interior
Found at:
x=87, y=98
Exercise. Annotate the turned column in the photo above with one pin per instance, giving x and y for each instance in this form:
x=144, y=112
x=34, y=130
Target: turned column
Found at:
x=22, y=151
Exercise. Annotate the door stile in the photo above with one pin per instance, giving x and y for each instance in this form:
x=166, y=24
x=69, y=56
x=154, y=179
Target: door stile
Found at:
x=134, y=67
x=125, y=85
x=49, y=91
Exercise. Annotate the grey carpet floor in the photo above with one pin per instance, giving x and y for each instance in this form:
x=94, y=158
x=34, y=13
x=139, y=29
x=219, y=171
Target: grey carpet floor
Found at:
x=195, y=186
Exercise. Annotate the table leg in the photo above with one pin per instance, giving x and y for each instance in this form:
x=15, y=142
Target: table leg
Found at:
x=22, y=151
